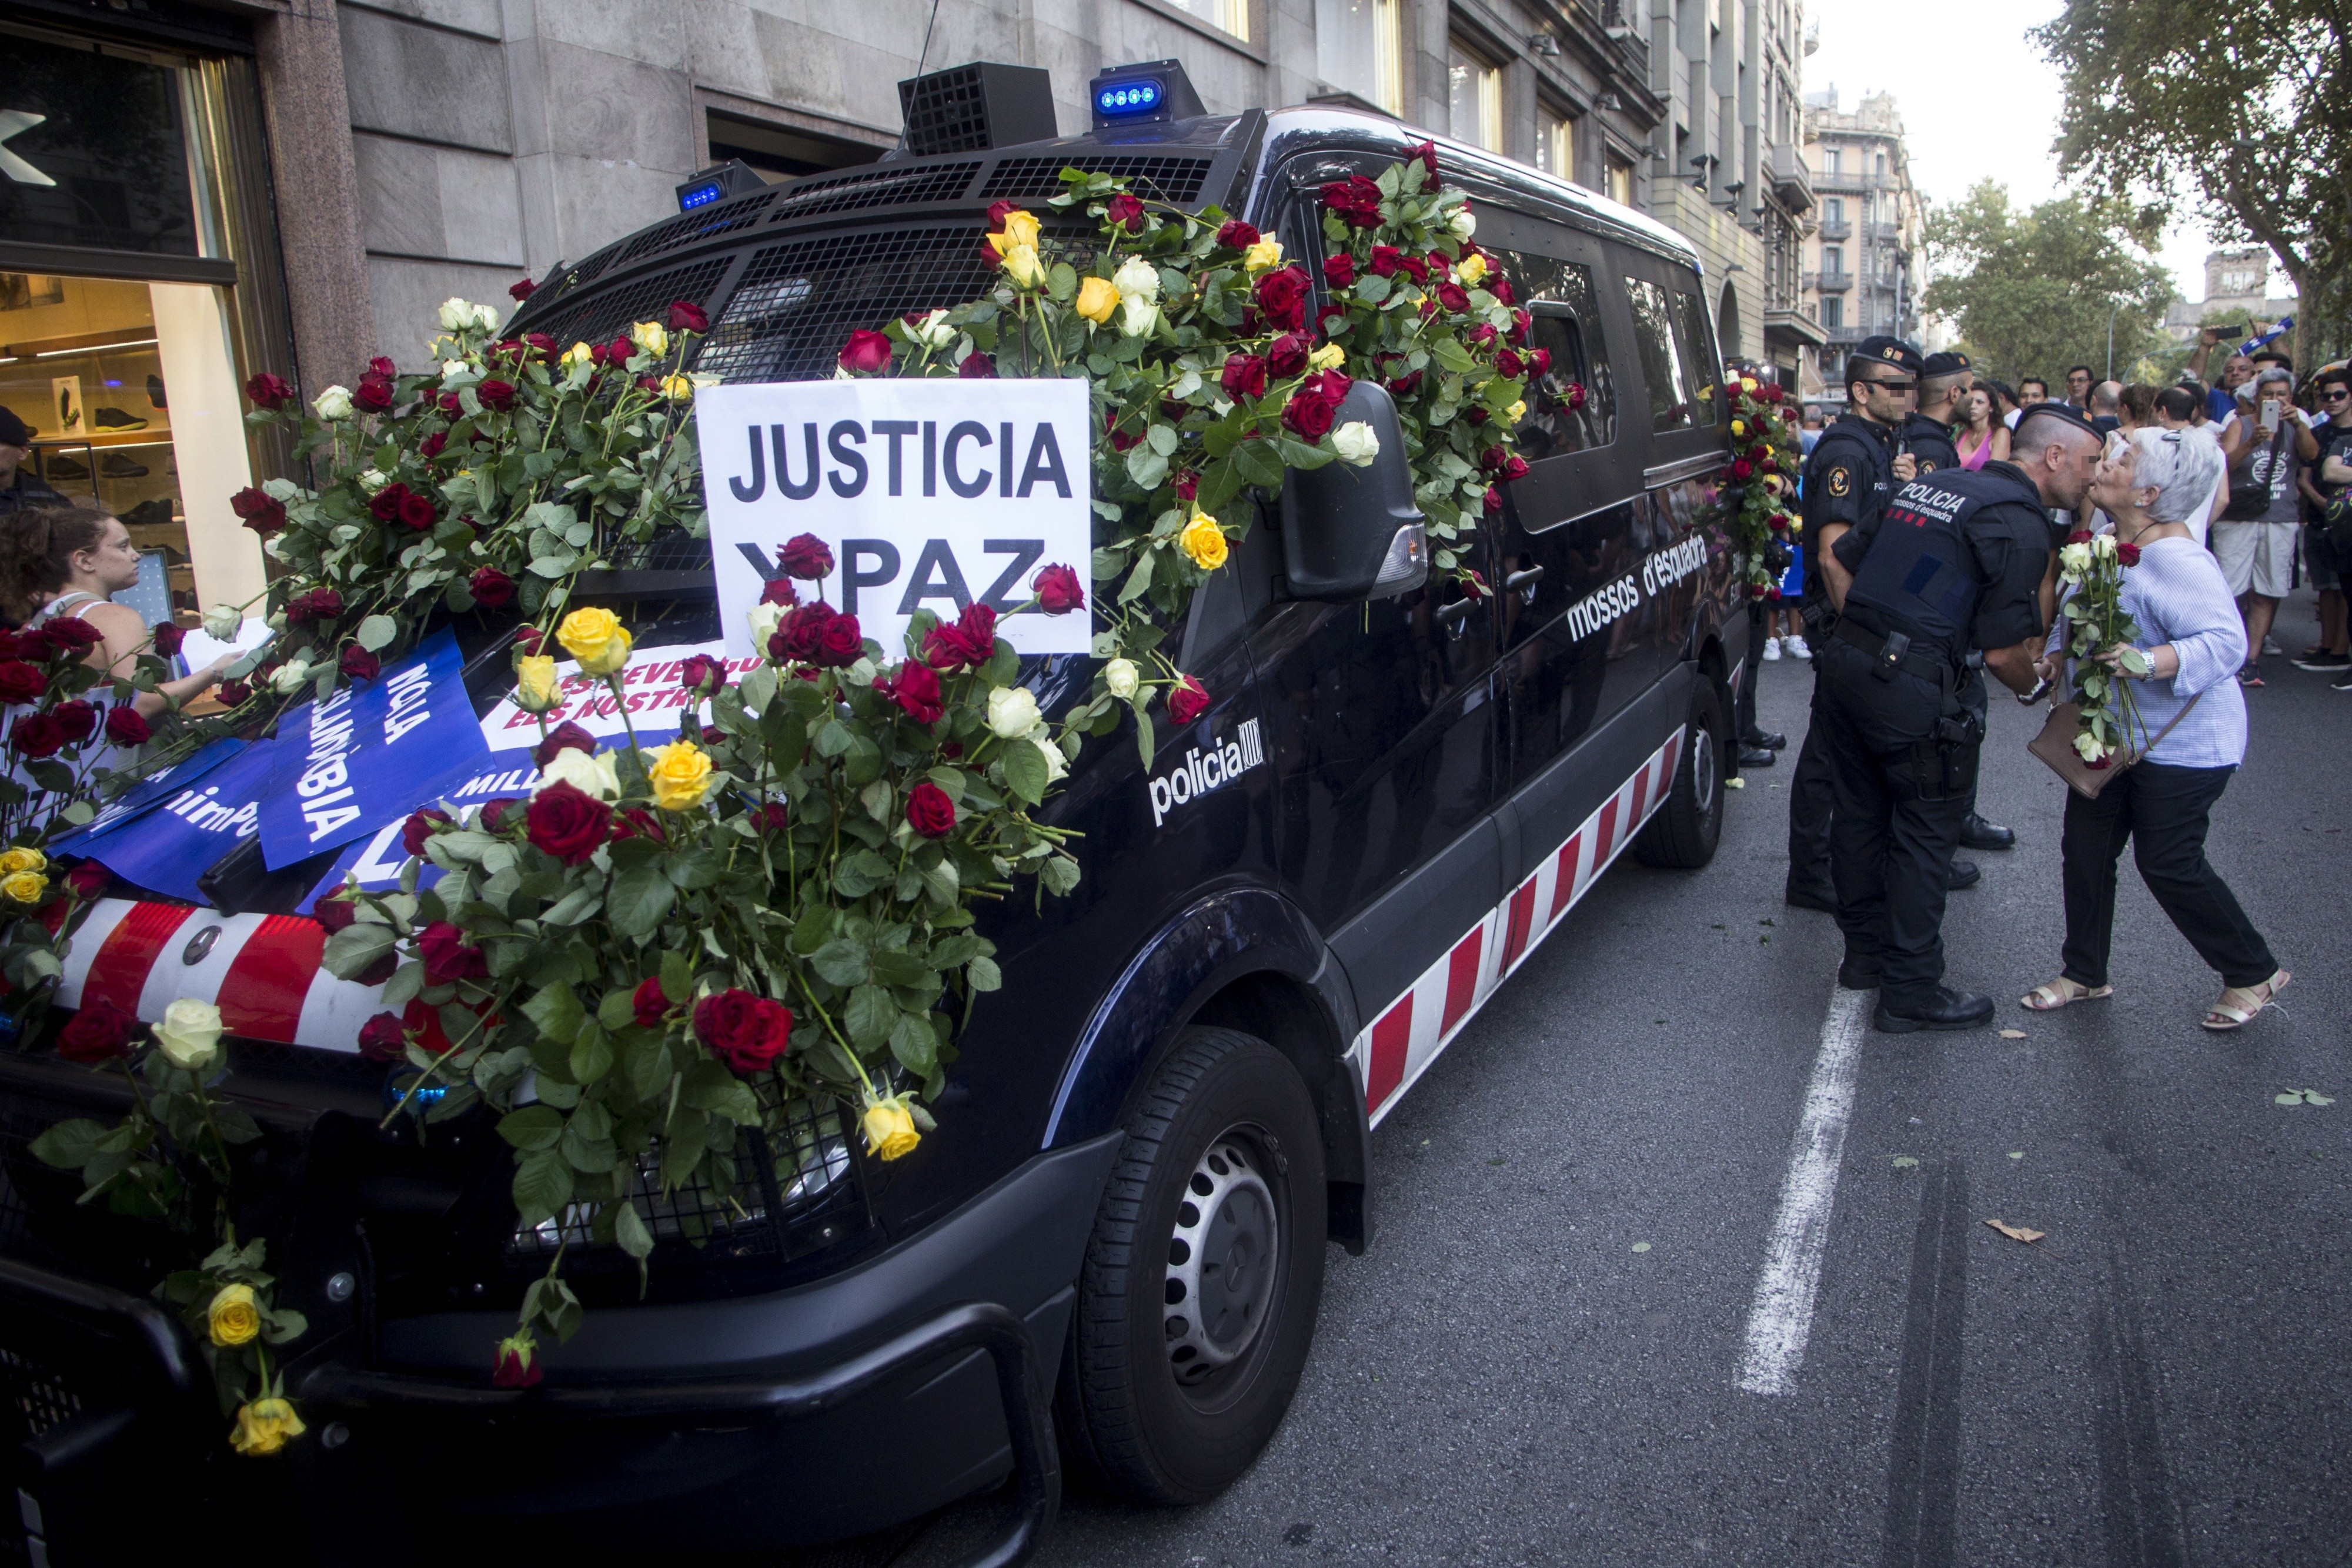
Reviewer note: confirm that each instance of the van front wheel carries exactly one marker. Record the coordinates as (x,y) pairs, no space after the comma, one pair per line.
(1198,1296)
(1682,834)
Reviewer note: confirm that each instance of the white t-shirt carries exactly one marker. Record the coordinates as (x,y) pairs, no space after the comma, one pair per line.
(2012,416)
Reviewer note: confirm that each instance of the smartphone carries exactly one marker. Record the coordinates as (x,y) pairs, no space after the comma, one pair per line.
(2269,420)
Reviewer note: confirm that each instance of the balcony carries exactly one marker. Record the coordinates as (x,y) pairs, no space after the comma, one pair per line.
(1842,229)
(1798,328)
(1792,181)
(1829,282)
(1853,183)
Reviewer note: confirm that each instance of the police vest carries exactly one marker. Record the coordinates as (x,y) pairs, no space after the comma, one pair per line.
(1871,468)
(1922,576)
(1930,442)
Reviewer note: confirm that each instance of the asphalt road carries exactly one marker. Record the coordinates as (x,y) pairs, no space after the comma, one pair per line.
(1537,1362)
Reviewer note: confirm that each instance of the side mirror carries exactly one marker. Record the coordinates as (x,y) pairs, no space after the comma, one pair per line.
(1351,533)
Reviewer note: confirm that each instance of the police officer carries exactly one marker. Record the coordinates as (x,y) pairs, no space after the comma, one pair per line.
(1955,571)
(1852,471)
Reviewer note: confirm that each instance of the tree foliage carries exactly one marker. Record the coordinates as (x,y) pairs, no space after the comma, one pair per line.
(2235,112)
(2035,292)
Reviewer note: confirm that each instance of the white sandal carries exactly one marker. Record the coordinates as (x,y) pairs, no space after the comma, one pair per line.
(2224,1015)
(2062,992)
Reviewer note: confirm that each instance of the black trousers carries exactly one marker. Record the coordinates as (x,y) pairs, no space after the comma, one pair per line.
(1810,798)
(1894,825)
(2163,811)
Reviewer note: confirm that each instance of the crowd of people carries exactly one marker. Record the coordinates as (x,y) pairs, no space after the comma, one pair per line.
(2221,498)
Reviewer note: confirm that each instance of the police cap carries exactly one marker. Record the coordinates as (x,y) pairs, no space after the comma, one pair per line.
(1886,351)
(1945,364)
(2063,412)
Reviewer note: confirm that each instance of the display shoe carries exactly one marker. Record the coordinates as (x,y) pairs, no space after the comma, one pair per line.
(156,392)
(1961,874)
(1978,835)
(150,514)
(60,467)
(1858,974)
(1946,1008)
(1771,650)
(115,419)
(118,466)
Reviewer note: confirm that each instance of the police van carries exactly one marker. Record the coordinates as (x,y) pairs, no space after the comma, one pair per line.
(1111,1255)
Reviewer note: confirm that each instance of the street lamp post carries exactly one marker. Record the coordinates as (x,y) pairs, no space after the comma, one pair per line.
(2111,341)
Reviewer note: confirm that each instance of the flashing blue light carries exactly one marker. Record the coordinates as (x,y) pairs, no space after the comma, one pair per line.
(1128,97)
(700,196)
(396,1084)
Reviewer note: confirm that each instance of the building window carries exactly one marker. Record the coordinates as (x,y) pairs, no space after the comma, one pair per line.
(1832,211)
(780,152)
(1473,98)
(1834,313)
(1555,144)
(1882,165)
(1833,261)
(1232,15)
(1834,161)
(1359,49)
(1621,181)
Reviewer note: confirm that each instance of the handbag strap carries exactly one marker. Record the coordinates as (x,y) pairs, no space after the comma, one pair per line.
(2175,719)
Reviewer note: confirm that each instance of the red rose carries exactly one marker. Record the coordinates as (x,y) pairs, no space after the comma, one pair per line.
(840,643)
(1188,701)
(779,590)
(334,914)
(971,640)
(2080,537)
(498,395)
(930,811)
(166,637)
(565,736)
(1286,356)
(1414,268)
(1501,290)
(649,1002)
(620,351)
(637,822)
(491,589)
(686,316)
(1514,467)
(2129,554)
(1386,259)
(417,832)
(702,675)
(518,292)
(266,391)
(374,394)
(87,880)
(100,1032)
(1188,484)
(234,693)
(976,367)
(1520,322)
(1356,199)
(124,726)
(1510,364)
(1331,320)
(1494,502)
(263,512)
(1538,361)
(997,212)
(430,447)
(1427,152)
(494,813)
(1245,376)
(865,353)
(807,557)
(1125,211)
(382,368)
(20,682)
(1741,468)
(1238,236)
(359,664)
(416,511)
(746,1033)
(1406,385)
(384,1037)
(566,821)
(384,505)
(1119,441)
(1058,592)
(76,720)
(915,689)
(1482,335)
(318,605)
(1451,296)
(1282,296)
(773,817)
(1339,271)
(71,634)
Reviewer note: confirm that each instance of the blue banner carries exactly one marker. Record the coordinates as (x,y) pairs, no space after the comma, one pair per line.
(149,793)
(197,820)
(369,754)
(377,860)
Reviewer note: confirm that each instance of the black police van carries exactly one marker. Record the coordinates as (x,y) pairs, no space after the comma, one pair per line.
(1111,1255)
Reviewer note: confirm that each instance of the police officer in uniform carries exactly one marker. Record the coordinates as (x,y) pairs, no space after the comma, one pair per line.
(1852,471)
(1955,573)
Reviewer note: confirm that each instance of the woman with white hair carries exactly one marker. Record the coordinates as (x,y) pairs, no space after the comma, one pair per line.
(2190,632)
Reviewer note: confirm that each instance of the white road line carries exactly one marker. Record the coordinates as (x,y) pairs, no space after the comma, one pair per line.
(1780,1318)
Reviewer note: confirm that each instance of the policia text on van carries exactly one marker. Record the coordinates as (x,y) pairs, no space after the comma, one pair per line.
(1399,790)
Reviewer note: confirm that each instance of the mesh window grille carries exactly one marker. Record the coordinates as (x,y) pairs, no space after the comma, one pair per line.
(1176,180)
(646,298)
(740,213)
(881,187)
(34,1396)
(798,302)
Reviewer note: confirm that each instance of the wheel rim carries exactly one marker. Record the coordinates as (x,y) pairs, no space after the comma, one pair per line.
(1223,1260)
(1703,767)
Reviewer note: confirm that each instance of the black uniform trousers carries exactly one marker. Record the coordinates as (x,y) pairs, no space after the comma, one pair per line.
(2163,811)
(1891,841)
(1810,799)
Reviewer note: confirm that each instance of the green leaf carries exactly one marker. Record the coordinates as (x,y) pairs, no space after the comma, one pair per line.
(896,967)
(1145,741)
(1026,773)
(542,1186)
(677,975)
(352,950)
(575,907)
(1059,874)
(556,1010)
(629,1232)
(617,1009)
(375,633)
(842,962)
(914,1045)
(591,1053)
(640,897)
(984,975)
(68,1146)
(1163,439)
(1256,463)
(870,1016)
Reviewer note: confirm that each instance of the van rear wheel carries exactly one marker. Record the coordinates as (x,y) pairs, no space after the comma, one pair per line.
(1683,832)
(1198,1296)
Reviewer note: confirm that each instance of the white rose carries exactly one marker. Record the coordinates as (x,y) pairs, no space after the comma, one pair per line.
(189,1035)
(1137,315)
(486,317)
(223,622)
(289,677)
(456,314)
(933,332)
(452,369)
(374,479)
(1057,765)
(1137,279)
(650,336)
(593,775)
(1012,712)
(1121,676)
(2104,544)
(763,619)
(2076,558)
(1461,224)
(1356,443)
(335,402)
(2088,745)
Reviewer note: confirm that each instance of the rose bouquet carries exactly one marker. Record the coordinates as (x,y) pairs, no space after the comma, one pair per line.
(1758,485)
(2099,643)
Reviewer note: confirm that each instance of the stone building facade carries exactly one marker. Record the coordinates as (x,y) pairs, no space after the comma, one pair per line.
(1863,261)
(2237,289)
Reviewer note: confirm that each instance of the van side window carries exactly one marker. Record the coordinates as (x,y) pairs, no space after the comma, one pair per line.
(1559,296)
(1699,370)
(1654,337)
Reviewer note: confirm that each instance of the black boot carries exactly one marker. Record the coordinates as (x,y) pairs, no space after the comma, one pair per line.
(1978,835)
(1756,756)
(1943,1009)
(1962,873)
(1770,740)
(1858,973)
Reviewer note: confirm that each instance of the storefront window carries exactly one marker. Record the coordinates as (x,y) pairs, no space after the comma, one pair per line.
(100,161)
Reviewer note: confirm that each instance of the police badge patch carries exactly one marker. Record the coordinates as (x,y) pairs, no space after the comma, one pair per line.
(1841,480)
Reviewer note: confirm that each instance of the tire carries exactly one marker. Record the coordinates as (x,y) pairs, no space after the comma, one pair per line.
(1157,1404)
(1681,835)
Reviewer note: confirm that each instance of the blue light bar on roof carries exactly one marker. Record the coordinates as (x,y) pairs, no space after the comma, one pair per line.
(1142,93)
(1121,99)
(700,195)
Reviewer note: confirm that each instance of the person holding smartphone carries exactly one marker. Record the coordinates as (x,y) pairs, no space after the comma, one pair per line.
(2267,446)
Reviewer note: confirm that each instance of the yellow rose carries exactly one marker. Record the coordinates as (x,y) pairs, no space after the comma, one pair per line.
(1022,266)
(1519,411)
(1020,228)
(597,639)
(1329,357)
(235,1316)
(535,683)
(650,336)
(1739,427)
(678,388)
(1263,257)
(579,354)
(890,1129)
(1097,297)
(679,774)
(24,887)
(1472,270)
(1748,383)
(19,860)
(1204,542)
(265,1426)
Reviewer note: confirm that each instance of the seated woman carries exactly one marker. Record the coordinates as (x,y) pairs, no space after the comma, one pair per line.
(2195,642)
(68,562)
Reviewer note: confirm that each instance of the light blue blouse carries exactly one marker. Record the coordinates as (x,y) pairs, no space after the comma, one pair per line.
(2177,594)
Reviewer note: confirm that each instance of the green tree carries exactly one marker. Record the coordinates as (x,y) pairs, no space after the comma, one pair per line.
(2236,111)
(2035,292)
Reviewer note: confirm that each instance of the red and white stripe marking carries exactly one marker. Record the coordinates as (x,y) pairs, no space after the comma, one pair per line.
(261,970)
(1411,1032)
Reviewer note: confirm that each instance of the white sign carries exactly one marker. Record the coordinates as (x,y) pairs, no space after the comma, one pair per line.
(933,494)
(649,691)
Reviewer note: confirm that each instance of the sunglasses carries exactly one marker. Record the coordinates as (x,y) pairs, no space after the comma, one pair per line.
(2334,396)
(1891,386)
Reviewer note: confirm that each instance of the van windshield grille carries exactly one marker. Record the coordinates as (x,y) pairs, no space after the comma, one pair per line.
(600,317)
(799,302)
(736,214)
(884,187)
(1177,180)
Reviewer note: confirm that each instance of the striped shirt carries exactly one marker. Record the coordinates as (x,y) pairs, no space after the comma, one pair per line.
(2177,594)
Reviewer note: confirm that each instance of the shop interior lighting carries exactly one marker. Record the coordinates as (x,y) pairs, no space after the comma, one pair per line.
(96,349)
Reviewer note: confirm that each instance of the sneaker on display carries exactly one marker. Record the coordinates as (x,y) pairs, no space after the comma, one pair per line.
(1771,650)
(115,419)
(156,392)
(60,467)
(118,466)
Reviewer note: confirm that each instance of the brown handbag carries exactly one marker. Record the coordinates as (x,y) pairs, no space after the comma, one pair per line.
(2056,745)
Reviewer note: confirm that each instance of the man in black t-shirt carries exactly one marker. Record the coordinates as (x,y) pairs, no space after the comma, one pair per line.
(2322,482)
(20,489)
